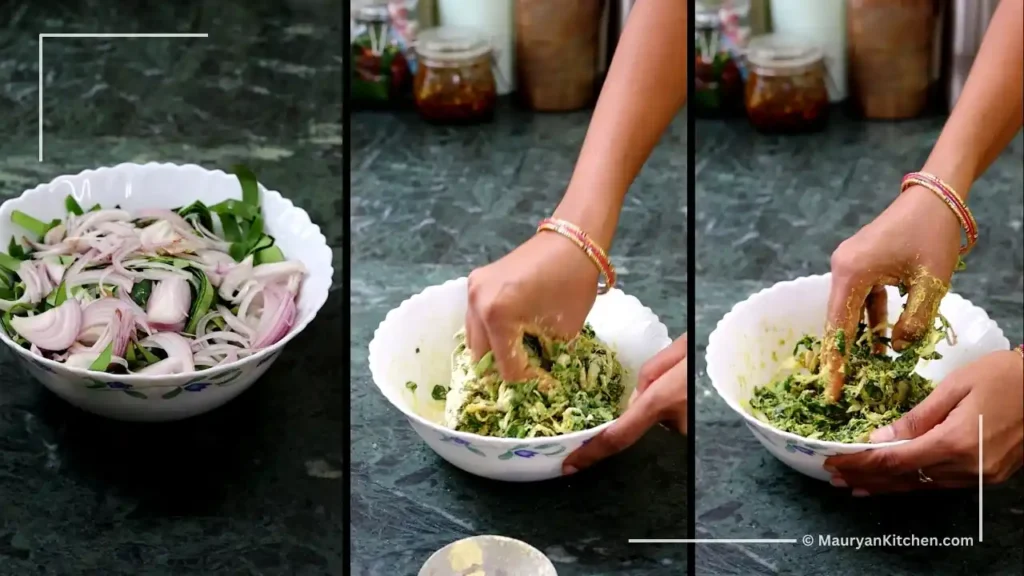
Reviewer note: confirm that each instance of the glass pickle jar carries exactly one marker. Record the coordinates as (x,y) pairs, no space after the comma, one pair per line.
(455,78)
(380,72)
(786,89)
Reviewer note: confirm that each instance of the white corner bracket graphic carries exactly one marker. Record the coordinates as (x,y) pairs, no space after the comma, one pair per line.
(90,35)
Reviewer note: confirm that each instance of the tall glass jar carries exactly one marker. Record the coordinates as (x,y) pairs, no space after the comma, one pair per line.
(455,77)
(380,72)
(786,88)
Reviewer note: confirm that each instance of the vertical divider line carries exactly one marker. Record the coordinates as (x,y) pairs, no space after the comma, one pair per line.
(346,265)
(981,461)
(691,299)
(40,97)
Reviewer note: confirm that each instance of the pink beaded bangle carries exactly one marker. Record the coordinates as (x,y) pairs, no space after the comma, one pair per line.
(951,198)
(580,238)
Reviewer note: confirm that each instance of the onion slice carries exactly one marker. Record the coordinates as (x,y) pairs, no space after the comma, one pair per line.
(53,330)
(174,345)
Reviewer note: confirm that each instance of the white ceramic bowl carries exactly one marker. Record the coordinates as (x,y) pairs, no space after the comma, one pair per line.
(415,342)
(747,347)
(137,186)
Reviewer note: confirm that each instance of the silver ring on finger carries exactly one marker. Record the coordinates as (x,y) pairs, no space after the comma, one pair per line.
(924,478)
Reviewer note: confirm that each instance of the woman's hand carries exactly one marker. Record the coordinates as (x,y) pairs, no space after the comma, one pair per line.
(660,396)
(943,434)
(545,287)
(914,242)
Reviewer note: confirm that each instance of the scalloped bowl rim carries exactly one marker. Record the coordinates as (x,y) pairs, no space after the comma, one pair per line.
(158,380)
(737,310)
(470,436)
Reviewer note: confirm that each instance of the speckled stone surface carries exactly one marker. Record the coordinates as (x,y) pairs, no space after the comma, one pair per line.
(773,209)
(254,487)
(429,204)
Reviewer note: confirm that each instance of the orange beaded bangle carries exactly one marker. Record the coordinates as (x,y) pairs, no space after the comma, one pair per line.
(580,238)
(1020,350)
(951,198)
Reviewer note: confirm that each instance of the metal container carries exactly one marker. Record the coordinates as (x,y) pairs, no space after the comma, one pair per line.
(968,20)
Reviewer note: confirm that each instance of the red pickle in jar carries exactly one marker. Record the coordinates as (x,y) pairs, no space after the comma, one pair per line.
(786,89)
(455,77)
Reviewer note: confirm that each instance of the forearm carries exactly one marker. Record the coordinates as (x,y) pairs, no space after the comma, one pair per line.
(990,110)
(644,90)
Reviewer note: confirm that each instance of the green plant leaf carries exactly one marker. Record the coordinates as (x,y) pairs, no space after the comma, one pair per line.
(72,205)
(103,361)
(250,186)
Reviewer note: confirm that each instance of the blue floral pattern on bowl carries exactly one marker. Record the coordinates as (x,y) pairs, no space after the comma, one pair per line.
(464,443)
(524,451)
(200,384)
(127,389)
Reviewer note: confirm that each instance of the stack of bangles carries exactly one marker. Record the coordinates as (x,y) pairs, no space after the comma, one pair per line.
(951,198)
(1020,350)
(580,238)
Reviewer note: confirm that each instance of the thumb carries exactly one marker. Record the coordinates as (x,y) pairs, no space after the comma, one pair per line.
(923,298)
(640,417)
(926,415)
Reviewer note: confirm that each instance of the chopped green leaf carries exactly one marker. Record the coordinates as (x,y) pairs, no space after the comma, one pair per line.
(11,263)
(269,255)
(231,230)
(95,208)
(72,205)
(29,223)
(200,210)
(237,209)
(103,361)
(439,392)
(411,385)
(141,291)
(250,186)
(202,301)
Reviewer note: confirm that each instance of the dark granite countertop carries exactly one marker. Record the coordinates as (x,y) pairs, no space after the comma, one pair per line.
(429,204)
(772,209)
(254,487)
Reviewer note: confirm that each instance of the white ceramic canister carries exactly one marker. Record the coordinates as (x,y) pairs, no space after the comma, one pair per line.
(822,22)
(490,17)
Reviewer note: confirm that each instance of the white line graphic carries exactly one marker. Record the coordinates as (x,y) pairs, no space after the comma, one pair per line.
(90,35)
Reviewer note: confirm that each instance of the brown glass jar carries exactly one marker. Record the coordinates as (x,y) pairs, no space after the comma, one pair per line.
(786,90)
(455,77)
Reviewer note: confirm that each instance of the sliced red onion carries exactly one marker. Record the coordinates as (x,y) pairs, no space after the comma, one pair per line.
(97,316)
(100,277)
(54,330)
(235,278)
(55,235)
(82,360)
(277,318)
(278,271)
(174,345)
(161,214)
(200,343)
(54,269)
(234,323)
(170,302)
(137,312)
(80,225)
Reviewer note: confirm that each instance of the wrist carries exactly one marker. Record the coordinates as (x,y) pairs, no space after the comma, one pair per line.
(959,174)
(594,209)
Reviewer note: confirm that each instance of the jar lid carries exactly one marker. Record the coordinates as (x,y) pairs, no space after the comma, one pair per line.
(451,44)
(372,13)
(776,52)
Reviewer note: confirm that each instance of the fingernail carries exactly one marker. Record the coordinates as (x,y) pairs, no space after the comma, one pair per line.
(830,469)
(838,482)
(860,492)
(884,434)
(569,470)
(899,344)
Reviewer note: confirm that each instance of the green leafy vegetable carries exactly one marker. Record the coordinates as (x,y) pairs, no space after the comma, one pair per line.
(199,210)
(439,392)
(250,186)
(72,205)
(411,385)
(103,361)
(879,388)
(141,292)
(202,301)
(583,390)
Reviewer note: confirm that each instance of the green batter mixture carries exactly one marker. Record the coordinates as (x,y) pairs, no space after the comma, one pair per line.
(584,390)
(879,388)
